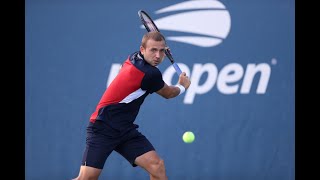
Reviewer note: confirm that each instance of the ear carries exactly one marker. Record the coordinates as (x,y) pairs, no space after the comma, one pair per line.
(142,50)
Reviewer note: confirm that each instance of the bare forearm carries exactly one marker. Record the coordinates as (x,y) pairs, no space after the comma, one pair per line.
(169,91)
(175,90)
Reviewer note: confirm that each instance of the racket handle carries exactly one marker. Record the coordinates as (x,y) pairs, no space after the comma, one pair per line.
(177,68)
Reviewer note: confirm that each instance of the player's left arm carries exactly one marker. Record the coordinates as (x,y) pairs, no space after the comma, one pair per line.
(173,91)
(168,91)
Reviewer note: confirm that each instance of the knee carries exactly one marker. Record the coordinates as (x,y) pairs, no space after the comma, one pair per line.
(158,168)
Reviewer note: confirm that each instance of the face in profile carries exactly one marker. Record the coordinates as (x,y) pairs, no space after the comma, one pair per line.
(153,52)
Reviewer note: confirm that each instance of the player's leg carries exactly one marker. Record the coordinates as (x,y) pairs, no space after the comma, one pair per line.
(100,142)
(152,163)
(88,173)
(92,163)
(137,149)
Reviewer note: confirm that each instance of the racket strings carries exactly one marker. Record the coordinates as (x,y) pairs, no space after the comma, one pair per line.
(149,23)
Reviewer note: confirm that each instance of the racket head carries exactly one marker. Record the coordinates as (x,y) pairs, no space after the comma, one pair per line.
(147,21)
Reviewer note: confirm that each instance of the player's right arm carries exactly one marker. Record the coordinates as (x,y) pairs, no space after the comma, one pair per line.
(173,91)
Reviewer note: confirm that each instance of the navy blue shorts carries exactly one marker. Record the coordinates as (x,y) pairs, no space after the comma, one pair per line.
(102,139)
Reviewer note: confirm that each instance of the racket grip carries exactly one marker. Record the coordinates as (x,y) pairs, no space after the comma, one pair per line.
(177,68)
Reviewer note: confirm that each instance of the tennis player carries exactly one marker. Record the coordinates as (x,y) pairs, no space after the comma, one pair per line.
(111,126)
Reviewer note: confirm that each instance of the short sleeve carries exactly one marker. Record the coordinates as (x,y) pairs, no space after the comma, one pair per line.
(152,81)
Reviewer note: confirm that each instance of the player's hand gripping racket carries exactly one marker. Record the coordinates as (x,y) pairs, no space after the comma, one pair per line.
(151,26)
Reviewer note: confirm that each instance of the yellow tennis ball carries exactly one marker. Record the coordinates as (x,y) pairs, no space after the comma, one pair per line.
(188,137)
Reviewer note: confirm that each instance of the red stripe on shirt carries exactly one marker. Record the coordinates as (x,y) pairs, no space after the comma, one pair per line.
(127,81)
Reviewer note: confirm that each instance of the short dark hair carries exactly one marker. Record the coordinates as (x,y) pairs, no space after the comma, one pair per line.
(154,35)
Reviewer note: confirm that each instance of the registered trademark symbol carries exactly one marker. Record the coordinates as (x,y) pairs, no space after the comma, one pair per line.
(273,61)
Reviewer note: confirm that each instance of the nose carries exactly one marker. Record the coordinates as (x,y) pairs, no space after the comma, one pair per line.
(158,54)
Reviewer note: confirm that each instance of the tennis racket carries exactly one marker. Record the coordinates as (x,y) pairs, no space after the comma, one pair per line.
(151,26)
